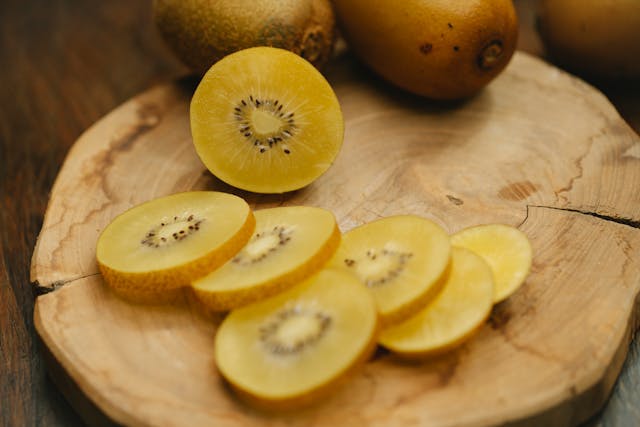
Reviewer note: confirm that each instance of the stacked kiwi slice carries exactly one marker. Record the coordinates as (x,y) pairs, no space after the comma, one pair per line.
(291,349)
(306,304)
(288,244)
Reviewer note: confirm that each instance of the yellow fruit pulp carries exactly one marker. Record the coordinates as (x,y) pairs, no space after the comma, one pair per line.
(289,244)
(401,259)
(507,251)
(265,120)
(167,242)
(459,309)
(290,348)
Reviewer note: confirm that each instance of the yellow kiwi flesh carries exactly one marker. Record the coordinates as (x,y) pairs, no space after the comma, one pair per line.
(402,260)
(288,245)
(291,349)
(453,316)
(265,120)
(164,244)
(507,251)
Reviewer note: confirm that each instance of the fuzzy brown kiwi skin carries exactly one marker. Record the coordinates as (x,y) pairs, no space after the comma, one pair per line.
(440,49)
(241,297)
(200,33)
(161,287)
(303,401)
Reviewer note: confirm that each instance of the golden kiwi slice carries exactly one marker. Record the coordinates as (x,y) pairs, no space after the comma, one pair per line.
(453,316)
(401,259)
(507,251)
(162,245)
(289,244)
(265,120)
(291,349)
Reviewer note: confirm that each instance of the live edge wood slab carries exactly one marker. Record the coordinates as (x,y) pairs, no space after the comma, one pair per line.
(538,149)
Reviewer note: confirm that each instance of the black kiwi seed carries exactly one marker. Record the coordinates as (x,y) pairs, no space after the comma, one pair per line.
(283,234)
(157,236)
(401,259)
(242,114)
(268,332)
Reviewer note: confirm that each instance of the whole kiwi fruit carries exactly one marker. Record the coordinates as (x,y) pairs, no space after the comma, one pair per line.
(595,38)
(443,49)
(200,32)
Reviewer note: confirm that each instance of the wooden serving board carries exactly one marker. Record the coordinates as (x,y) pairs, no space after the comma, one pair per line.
(538,149)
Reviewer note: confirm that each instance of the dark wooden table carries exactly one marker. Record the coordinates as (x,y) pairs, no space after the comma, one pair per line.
(63,65)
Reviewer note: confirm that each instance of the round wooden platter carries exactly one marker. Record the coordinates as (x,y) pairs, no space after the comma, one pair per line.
(537,149)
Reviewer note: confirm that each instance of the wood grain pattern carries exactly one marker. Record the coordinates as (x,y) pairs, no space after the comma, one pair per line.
(538,149)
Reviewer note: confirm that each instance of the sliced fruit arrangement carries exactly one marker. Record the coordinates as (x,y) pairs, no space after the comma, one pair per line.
(401,259)
(162,245)
(265,120)
(507,251)
(461,308)
(288,245)
(307,304)
(290,349)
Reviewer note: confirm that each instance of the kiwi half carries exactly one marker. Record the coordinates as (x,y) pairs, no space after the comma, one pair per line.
(288,350)
(157,247)
(265,120)
(401,259)
(507,251)
(459,310)
(288,245)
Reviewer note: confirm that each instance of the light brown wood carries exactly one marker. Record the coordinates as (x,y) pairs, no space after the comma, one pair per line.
(537,149)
